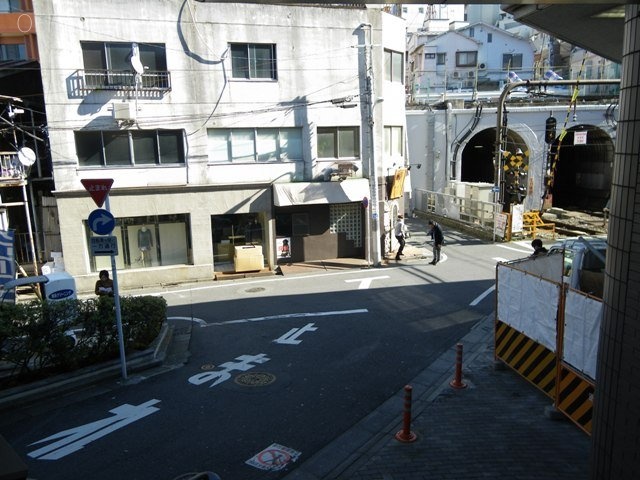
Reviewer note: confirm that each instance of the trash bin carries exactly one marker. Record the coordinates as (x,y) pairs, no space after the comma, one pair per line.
(59,286)
(248,258)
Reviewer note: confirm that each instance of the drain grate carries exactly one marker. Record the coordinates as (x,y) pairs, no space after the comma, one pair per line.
(255,379)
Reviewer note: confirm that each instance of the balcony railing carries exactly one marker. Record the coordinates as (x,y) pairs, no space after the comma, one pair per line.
(150,81)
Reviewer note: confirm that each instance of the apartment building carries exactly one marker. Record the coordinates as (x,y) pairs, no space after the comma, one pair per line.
(222,125)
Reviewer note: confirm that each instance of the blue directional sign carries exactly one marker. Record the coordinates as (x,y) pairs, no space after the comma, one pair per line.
(101,222)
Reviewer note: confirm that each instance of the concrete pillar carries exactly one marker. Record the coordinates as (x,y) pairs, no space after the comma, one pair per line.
(616,439)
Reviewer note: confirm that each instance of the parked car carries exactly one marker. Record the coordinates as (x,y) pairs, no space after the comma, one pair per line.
(584,262)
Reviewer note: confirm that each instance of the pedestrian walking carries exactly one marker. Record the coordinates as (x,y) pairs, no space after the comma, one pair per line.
(438,239)
(400,231)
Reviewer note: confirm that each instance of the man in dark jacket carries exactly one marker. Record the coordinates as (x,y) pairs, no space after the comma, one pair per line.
(438,239)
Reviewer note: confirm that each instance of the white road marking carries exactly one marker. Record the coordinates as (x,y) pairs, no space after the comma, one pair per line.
(189,319)
(291,337)
(365,282)
(515,249)
(482,296)
(289,315)
(74,439)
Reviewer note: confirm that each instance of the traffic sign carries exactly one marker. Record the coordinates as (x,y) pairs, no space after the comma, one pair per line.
(101,221)
(104,246)
(98,188)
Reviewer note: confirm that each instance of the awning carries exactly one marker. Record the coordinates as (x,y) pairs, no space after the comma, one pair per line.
(309,193)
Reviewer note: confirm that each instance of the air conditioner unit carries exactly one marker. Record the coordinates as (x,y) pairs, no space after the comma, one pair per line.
(456,74)
(471,74)
(124,112)
(482,66)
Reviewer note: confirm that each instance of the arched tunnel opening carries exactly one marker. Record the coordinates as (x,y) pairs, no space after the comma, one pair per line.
(583,172)
(581,177)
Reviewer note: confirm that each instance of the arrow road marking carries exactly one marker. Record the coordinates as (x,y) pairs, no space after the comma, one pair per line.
(74,439)
(291,337)
(365,282)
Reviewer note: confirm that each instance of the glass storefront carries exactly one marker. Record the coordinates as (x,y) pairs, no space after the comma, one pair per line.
(150,241)
(230,231)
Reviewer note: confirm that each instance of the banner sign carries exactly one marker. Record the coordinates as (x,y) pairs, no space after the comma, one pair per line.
(7,262)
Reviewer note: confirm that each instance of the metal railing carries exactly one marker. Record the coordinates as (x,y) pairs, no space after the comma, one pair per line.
(466,210)
(122,80)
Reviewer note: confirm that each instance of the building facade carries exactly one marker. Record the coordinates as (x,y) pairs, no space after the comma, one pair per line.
(222,125)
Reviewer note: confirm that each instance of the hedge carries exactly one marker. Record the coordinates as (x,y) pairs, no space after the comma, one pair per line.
(44,338)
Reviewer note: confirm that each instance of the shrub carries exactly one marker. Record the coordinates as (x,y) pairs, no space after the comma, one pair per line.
(41,338)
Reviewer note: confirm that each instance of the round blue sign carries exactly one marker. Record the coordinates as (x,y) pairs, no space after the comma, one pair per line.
(101,221)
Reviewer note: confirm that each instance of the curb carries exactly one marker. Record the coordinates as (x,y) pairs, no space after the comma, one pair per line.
(60,384)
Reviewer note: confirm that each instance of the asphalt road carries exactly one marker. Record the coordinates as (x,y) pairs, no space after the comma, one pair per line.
(279,367)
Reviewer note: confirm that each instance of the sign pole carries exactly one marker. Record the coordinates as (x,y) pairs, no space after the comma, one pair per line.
(116,299)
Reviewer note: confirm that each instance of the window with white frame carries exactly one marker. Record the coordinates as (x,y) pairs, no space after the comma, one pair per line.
(441,59)
(393,141)
(117,148)
(247,145)
(511,61)
(338,142)
(393,66)
(253,61)
(466,59)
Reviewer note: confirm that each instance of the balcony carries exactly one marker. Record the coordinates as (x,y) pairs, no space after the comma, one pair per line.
(152,84)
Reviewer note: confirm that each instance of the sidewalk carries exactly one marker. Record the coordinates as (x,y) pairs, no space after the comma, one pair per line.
(494,428)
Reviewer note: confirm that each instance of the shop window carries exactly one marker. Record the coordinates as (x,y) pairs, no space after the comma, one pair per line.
(230,231)
(261,145)
(108,148)
(149,241)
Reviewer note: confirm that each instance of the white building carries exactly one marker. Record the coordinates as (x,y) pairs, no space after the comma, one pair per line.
(474,57)
(222,125)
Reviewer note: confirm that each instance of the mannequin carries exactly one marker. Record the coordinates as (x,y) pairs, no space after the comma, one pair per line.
(145,242)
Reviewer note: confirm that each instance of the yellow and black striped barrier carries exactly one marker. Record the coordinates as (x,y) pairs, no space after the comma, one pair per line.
(533,361)
(575,397)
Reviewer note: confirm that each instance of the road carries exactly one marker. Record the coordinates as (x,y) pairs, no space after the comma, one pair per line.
(279,367)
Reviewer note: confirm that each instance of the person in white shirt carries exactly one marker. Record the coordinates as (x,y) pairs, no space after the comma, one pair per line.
(399,232)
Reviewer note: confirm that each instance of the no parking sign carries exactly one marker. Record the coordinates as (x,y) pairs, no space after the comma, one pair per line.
(275,457)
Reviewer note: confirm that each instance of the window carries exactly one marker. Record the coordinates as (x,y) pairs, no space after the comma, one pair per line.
(241,145)
(441,59)
(129,148)
(393,66)
(149,241)
(393,141)
(511,61)
(489,37)
(472,32)
(13,52)
(109,64)
(429,56)
(338,142)
(466,59)
(253,61)
(9,6)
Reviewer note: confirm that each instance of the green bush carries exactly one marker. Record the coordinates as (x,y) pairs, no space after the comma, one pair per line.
(43,338)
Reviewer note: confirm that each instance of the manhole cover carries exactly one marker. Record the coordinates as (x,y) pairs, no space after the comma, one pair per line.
(207,366)
(255,379)
(255,290)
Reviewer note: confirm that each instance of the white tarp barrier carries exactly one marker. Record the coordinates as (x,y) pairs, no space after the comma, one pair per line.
(529,304)
(582,318)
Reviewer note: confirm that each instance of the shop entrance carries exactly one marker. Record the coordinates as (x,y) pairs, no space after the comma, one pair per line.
(230,231)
